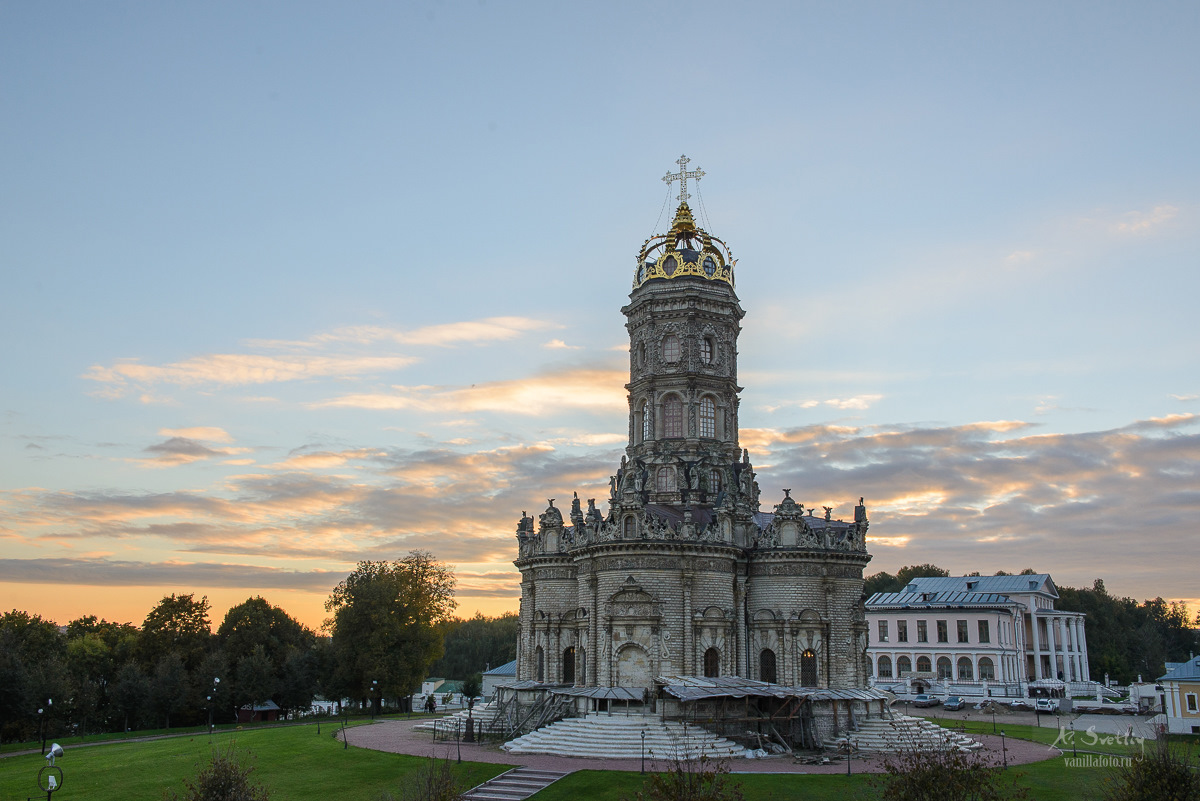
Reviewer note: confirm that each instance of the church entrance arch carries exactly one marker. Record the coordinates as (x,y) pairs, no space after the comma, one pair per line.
(568,666)
(633,667)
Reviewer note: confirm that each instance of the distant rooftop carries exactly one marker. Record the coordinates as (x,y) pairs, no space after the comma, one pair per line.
(1184,671)
(982,599)
(507,669)
(1005,585)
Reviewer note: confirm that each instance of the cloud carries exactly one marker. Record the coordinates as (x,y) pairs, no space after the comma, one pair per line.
(105,572)
(586,389)
(558,344)
(857,403)
(1143,222)
(490,329)
(181,450)
(1185,397)
(207,433)
(232,369)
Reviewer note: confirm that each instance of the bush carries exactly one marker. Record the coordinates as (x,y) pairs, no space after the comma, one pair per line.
(433,781)
(691,780)
(225,778)
(1157,775)
(945,775)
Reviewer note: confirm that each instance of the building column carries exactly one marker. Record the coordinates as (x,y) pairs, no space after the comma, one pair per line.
(686,647)
(1087,672)
(1037,646)
(1078,649)
(1050,646)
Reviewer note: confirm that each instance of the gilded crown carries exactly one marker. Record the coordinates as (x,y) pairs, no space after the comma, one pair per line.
(685,251)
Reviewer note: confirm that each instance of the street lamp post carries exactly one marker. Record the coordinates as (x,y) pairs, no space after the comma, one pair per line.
(1004,750)
(643,750)
(1074,753)
(849,753)
(211,697)
(41,728)
(374,692)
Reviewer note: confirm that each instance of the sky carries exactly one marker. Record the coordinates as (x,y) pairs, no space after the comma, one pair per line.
(286,286)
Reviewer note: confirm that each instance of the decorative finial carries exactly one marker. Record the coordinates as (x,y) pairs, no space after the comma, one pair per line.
(682,176)
(550,502)
(787,493)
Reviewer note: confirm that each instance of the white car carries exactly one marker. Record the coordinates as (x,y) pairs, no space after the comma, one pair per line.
(1046,705)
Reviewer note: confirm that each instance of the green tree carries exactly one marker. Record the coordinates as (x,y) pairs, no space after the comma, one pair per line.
(130,693)
(256,680)
(297,681)
(177,624)
(255,622)
(474,644)
(168,688)
(386,624)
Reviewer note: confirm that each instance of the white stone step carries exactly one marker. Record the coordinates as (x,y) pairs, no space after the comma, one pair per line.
(516,785)
(620,737)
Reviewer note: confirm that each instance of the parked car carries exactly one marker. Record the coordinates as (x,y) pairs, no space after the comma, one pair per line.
(925,700)
(1046,705)
(953,703)
(1021,703)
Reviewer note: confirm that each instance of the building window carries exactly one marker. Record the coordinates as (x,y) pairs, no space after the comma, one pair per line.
(962,630)
(766,666)
(922,631)
(1191,702)
(985,635)
(665,479)
(568,666)
(630,527)
(673,417)
(883,631)
(902,630)
(706,350)
(903,666)
(964,669)
(987,670)
(670,349)
(943,636)
(923,664)
(647,429)
(945,669)
(714,481)
(712,663)
(885,667)
(808,669)
(708,417)
(540,658)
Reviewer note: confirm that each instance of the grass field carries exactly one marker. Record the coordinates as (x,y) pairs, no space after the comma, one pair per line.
(293,762)
(1051,780)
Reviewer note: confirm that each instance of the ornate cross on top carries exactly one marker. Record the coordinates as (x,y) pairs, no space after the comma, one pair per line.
(682,176)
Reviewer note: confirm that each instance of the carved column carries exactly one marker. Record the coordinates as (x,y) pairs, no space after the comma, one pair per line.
(687,646)
(1037,645)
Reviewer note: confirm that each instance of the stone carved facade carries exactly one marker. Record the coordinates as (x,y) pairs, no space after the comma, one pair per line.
(685,575)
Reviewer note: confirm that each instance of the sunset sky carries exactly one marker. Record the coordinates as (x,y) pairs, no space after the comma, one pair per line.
(287,286)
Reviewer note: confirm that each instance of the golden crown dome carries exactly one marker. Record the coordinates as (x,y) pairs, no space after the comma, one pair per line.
(685,251)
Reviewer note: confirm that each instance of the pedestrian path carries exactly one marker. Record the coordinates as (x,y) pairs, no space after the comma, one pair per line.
(516,785)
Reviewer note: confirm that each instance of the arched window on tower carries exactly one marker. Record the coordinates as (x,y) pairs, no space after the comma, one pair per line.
(647,430)
(568,666)
(665,479)
(630,527)
(766,666)
(714,481)
(706,350)
(708,417)
(670,349)
(540,657)
(673,417)
(808,669)
(712,663)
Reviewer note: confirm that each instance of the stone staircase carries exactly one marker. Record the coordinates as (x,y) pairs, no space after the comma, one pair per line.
(483,714)
(603,736)
(904,733)
(516,785)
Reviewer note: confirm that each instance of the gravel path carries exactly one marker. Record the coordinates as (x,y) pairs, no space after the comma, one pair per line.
(397,737)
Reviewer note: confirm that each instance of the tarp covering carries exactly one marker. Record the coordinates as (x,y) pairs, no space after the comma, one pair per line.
(696,688)
(610,693)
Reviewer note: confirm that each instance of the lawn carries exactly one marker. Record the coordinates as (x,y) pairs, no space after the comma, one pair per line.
(293,762)
(1051,780)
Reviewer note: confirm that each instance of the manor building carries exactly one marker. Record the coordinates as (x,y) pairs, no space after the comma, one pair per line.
(683,574)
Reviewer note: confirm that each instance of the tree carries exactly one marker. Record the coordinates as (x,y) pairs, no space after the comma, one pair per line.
(130,693)
(386,624)
(256,679)
(474,644)
(168,688)
(179,624)
(1160,773)
(298,681)
(255,622)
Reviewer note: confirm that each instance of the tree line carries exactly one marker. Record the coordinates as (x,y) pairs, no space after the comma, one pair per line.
(390,622)
(1125,638)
